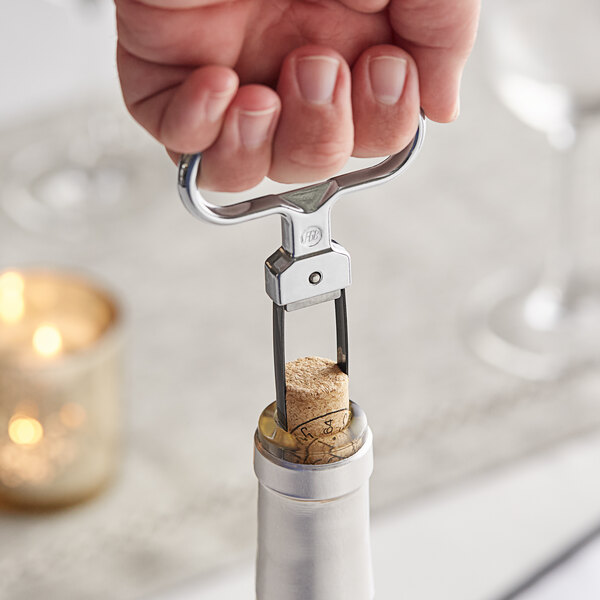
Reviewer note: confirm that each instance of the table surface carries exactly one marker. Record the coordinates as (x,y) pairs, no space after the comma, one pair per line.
(478,540)
(199,357)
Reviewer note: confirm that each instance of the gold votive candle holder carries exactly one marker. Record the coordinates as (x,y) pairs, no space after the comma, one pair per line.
(60,388)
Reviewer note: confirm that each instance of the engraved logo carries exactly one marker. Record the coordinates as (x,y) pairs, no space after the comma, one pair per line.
(311,236)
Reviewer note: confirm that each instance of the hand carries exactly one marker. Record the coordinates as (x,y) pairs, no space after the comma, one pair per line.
(289,88)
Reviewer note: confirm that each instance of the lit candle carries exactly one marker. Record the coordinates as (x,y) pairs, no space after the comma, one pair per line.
(47,340)
(60,370)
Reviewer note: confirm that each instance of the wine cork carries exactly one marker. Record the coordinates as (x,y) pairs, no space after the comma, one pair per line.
(317,400)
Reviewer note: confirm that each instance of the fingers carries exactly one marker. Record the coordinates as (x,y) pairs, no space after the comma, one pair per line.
(245,134)
(308,130)
(305,132)
(385,99)
(203,110)
(315,135)
(241,156)
(439,35)
(182,108)
(193,117)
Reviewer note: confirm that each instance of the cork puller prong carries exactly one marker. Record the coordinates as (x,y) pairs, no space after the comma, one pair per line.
(309,267)
(341,327)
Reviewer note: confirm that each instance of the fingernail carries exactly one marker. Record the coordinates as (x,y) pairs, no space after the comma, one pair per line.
(217,103)
(457,109)
(254,126)
(387,74)
(317,76)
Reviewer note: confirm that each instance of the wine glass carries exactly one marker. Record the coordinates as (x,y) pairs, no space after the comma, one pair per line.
(78,172)
(542,56)
(85,164)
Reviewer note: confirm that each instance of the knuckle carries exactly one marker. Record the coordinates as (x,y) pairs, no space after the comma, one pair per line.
(324,155)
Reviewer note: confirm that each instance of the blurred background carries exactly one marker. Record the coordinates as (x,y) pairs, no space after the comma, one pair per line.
(473,326)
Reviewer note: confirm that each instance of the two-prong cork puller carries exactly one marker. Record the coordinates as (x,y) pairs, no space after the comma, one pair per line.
(313,448)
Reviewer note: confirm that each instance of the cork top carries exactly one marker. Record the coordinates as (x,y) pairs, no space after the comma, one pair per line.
(317,398)
(313,377)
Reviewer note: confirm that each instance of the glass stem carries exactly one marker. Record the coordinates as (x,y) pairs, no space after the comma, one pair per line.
(560,263)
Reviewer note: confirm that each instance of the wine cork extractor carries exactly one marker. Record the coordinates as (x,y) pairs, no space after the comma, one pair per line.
(313,516)
(318,410)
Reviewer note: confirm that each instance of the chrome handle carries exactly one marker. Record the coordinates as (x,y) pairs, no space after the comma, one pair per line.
(303,201)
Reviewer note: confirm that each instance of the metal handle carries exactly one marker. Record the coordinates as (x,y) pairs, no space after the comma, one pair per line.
(305,200)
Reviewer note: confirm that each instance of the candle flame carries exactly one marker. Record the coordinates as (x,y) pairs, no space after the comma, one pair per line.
(12,304)
(12,280)
(25,431)
(47,340)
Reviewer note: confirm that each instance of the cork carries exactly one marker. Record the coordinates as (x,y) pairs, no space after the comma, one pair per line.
(317,400)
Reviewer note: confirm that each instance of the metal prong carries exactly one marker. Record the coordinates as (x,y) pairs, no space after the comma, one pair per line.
(341,329)
(279,361)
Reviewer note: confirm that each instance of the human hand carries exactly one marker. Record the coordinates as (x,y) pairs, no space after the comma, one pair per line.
(289,88)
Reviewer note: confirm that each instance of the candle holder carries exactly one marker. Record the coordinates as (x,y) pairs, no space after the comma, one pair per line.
(60,388)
